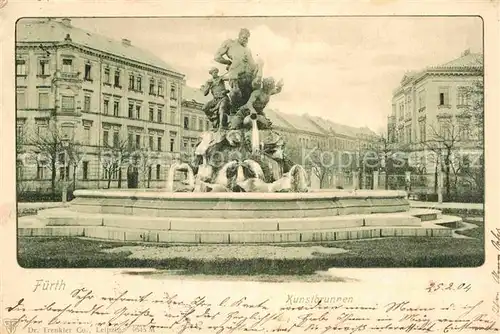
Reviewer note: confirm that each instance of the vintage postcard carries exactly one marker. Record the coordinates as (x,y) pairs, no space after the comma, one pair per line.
(230,168)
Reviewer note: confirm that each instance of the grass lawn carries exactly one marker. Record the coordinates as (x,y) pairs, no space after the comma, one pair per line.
(385,252)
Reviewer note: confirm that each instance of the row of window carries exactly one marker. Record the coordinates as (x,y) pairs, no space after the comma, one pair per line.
(196,123)
(404,107)
(156,86)
(112,172)
(446,131)
(134,141)
(336,143)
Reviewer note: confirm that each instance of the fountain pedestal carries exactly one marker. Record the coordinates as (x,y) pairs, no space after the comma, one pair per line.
(238,217)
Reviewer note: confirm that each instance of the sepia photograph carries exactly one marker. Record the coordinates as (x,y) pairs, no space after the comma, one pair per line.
(260,148)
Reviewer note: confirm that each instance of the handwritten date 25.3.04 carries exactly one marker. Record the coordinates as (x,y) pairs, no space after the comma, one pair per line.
(449,286)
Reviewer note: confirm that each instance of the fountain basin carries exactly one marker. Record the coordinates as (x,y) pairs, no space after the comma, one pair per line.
(229,218)
(238,205)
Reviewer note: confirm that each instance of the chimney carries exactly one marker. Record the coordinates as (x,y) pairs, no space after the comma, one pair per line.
(66,21)
(466,52)
(126,42)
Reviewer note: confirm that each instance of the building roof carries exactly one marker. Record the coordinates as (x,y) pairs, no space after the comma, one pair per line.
(51,30)
(277,120)
(465,61)
(301,123)
(341,129)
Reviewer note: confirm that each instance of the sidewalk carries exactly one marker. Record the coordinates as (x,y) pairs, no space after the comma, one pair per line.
(435,205)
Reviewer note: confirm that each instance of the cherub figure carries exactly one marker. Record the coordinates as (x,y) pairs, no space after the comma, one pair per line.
(218,108)
(254,108)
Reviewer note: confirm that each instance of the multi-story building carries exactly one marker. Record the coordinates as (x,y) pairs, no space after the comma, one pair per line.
(433,105)
(193,121)
(97,92)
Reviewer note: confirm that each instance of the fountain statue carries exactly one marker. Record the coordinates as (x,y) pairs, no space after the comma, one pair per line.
(242,153)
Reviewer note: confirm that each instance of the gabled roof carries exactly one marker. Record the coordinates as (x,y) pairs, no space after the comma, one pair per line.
(52,30)
(465,61)
(301,123)
(341,129)
(277,120)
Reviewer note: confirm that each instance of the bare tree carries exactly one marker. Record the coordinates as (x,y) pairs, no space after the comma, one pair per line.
(54,147)
(112,159)
(444,142)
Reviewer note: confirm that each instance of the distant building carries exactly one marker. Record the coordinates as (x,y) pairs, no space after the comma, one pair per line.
(193,120)
(434,103)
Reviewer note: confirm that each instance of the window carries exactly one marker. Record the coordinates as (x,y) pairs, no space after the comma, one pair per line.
(19,132)
(421,100)
(401,110)
(151,86)
(21,99)
(130,141)
(107,77)
(160,113)
(43,100)
(88,68)
(173,92)
(85,170)
(200,124)
(138,112)
(106,107)
(464,131)
(160,88)
(116,108)
(67,65)
(87,135)
(117,78)
(40,169)
(151,143)
(444,96)
(20,67)
(158,170)
(131,82)
(43,67)
(444,130)
(173,116)
(186,122)
(68,103)
(462,97)
(116,139)
(105,138)
(422,131)
(207,125)
(64,173)
(86,103)
(159,143)
(172,144)
(151,113)
(130,111)
(139,84)
(137,141)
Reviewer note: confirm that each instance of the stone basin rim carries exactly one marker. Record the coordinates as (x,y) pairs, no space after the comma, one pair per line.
(252,196)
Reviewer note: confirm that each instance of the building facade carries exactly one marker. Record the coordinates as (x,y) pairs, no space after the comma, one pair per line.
(432,109)
(102,94)
(124,113)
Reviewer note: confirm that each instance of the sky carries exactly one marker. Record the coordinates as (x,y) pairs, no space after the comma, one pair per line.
(340,68)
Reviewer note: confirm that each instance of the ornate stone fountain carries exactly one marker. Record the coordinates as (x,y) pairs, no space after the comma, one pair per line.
(240,188)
